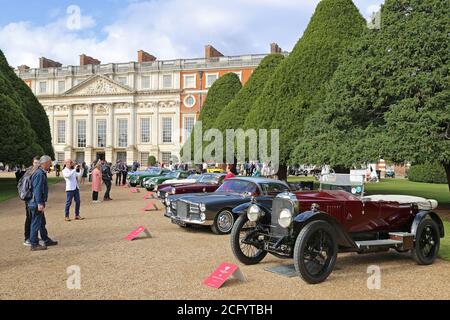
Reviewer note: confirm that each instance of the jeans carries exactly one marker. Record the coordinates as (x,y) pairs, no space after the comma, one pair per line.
(74,194)
(27,222)
(108,189)
(38,223)
(94,195)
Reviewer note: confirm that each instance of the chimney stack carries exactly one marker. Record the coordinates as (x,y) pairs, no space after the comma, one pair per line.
(275,48)
(86,60)
(145,57)
(23,68)
(211,52)
(47,63)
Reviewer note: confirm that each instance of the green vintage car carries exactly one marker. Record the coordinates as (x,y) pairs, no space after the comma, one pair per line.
(136,178)
(151,182)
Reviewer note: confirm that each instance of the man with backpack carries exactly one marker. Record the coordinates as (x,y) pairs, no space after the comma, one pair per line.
(36,204)
(24,188)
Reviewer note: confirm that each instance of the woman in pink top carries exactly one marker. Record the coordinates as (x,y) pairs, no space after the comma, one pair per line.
(96,181)
(230,174)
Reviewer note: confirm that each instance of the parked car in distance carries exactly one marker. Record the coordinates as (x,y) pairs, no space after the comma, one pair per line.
(150,183)
(313,226)
(207,182)
(192,178)
(214,169)
(390,173)
(215,209)
(135,179)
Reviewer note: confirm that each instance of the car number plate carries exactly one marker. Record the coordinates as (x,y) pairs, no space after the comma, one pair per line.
(179,222)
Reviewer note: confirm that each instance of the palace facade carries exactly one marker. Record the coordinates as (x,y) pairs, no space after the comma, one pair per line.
(128,111)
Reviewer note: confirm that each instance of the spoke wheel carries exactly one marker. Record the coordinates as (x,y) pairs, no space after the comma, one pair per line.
(426,246)
(245,252)
(315,251)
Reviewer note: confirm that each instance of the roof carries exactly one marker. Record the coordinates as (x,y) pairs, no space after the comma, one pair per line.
(258,179)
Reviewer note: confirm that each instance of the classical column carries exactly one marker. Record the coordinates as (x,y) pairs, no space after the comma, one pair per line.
(51,121)
(110,134)
(90,127)
(131,150)
(132,131)
(69,134)
(69,141)
(88,158)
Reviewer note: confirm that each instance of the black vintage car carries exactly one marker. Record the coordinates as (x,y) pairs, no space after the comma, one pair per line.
(215,209)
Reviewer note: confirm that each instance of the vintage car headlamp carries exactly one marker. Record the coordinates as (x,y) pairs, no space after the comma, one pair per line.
(254,213)
(173,190)
(202,216)
(167,202)
(202,207)
(285,218)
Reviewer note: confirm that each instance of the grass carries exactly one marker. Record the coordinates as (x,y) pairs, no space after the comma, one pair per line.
(438,192)
(444,251)
(8,187)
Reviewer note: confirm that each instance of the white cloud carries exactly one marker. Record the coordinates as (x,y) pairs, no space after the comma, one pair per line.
(168,29)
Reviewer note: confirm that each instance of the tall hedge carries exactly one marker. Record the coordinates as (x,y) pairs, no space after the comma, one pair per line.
(431,172)
(234,114)
(29,106)
(390,95)
(296,86)
(17,139)
(220,94)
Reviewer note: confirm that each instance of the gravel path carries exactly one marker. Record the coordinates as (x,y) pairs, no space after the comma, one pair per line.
(173,264)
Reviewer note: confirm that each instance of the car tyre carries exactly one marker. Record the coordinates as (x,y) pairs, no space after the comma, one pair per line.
(315,235)
(235,240)
(223,223)
(427,242)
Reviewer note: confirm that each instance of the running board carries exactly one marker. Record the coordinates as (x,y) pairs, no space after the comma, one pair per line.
(398,240)
(371,244)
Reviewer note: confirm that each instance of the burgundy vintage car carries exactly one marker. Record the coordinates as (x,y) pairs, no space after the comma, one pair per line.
(313,226)
(208,182)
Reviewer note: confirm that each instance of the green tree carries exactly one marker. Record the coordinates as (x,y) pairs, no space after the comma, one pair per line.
(389,96)
(29,105)
(17,139)
(220,94)
(291,93)
(234,114)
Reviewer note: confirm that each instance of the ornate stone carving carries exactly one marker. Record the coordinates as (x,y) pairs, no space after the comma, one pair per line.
(81,107)
(61,108)
(99,108)
(98,86)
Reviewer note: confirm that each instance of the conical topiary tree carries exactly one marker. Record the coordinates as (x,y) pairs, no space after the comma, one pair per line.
(17,139)
(234,114)
(389,96)
(220,94)
(294,88)
(29,105)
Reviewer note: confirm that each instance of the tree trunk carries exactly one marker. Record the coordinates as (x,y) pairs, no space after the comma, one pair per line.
(447,171)
(282,172)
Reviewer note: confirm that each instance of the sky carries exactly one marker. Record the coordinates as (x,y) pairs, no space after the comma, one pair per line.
(114,30)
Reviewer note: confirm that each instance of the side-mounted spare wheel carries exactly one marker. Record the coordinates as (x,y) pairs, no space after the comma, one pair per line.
(427,242)
(244,252)
(315,251)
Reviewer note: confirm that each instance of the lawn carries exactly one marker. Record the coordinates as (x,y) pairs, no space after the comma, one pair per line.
(439,192)
(8,187)
(444,252)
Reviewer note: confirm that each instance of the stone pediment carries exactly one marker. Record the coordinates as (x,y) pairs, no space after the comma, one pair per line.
(98,85)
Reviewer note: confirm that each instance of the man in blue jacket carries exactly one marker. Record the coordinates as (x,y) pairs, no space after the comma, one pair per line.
(36,204)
